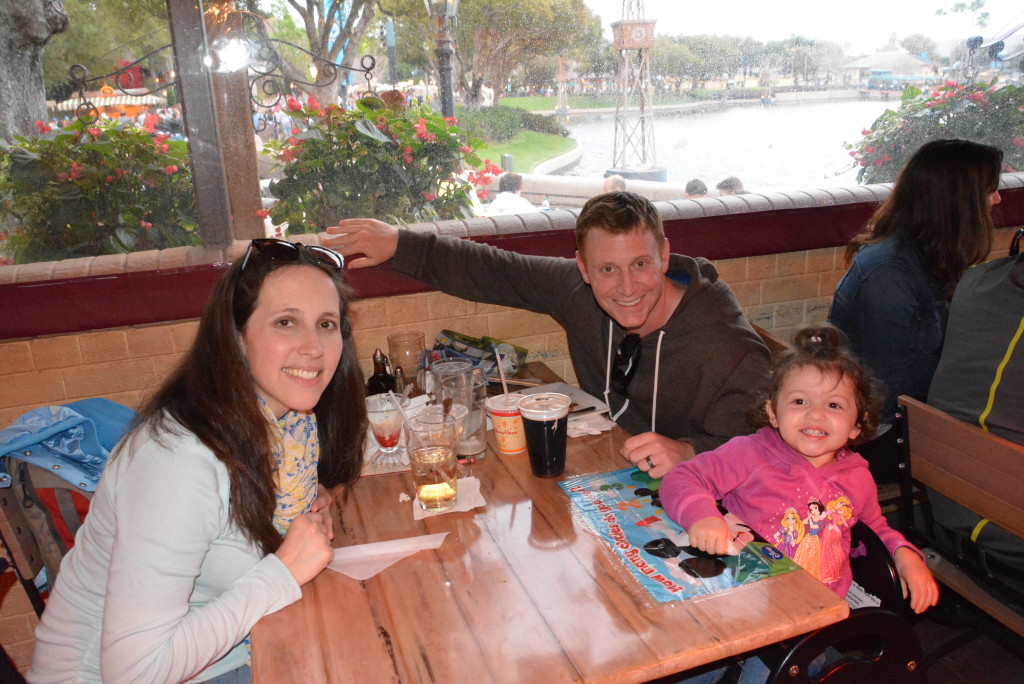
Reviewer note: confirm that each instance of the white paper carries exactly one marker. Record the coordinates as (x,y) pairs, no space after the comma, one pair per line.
(363,561)
(468,498)
(591,425)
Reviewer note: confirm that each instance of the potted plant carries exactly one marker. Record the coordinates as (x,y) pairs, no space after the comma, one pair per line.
(385,158)
(93,188)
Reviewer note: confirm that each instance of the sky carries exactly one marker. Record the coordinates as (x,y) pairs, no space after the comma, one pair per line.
(860,25)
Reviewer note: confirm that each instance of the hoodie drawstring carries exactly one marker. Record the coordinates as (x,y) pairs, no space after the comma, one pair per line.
(608,378)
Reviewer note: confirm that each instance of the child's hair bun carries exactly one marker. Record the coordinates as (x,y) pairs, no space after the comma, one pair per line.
(819,340)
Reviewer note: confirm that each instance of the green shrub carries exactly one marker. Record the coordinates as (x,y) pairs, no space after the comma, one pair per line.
(92,189)
(501,124)
(396,162)
(981,113)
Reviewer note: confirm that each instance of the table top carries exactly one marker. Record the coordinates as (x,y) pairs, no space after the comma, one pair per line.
(519,592)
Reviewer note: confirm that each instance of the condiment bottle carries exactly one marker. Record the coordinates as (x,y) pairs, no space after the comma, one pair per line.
(381,381)
(399,380)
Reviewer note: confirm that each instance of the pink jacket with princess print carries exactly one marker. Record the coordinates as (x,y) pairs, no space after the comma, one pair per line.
(806,512)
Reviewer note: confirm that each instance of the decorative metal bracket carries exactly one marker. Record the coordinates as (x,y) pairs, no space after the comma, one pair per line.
(268,82)
(78,75)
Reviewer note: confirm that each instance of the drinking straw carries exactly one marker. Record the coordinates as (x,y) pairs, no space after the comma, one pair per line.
(501,369)
(405,417)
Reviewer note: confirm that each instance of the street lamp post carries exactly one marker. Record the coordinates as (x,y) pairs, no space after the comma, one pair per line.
(442,12)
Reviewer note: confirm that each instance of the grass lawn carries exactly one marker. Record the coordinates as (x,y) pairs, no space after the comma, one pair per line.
(528,149)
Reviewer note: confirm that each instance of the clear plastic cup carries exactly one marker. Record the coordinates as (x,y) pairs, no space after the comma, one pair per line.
(545,422)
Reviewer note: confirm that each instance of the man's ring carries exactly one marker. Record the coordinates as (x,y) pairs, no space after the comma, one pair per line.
(650,463)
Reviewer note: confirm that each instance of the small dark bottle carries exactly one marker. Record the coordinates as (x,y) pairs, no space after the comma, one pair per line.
(381,381)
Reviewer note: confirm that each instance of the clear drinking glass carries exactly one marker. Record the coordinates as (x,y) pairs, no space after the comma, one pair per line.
(439,370)
(385,418)
(405,349)
(432,445)
(470,392)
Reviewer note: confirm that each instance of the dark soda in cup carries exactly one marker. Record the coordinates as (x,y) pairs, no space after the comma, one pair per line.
(546,421)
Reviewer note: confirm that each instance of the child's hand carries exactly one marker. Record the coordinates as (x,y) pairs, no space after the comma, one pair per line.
(712,535)
(916,578)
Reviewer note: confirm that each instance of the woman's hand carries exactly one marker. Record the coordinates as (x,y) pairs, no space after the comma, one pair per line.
(916,579)
(322,505)
(306,549)
(712,535)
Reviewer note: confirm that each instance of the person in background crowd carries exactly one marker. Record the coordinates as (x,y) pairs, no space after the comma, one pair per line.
(614,183)
(658,335)
(696,189)
(817,399)
(730,186)
(508,200)
(893,302)
(212,512)
(980,380)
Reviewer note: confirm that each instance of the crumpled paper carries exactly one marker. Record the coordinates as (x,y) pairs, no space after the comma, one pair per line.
(469,497)
(363,561)
(590,425)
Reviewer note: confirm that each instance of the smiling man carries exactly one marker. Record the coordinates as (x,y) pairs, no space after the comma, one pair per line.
(656,334)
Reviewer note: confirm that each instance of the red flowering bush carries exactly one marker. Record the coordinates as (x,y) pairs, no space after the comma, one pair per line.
(92,189)
(982,113)
(384,159)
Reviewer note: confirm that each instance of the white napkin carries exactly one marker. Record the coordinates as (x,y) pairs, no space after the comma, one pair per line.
(363,561)
(469,497)
(590,425)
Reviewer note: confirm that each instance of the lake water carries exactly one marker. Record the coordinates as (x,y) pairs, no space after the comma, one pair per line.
(783,147)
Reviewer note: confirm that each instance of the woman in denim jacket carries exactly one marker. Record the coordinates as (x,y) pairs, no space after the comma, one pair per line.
(892,304)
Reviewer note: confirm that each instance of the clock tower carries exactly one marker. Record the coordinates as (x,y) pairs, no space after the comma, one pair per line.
(634,118)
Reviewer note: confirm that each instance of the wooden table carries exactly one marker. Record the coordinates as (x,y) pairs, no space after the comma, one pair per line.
(518,592)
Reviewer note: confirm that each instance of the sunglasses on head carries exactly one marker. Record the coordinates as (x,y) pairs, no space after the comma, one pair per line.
(283,250)
(627,359)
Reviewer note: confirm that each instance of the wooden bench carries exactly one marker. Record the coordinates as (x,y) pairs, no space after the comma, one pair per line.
(980,471)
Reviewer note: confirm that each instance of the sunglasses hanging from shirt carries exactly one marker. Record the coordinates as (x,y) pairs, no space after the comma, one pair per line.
(627,359)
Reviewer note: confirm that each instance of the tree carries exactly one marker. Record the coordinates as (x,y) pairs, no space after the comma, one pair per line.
(333,30)
(669,60)
(494,37)
(714,57)
(100,33)
(28,26)
(918,44)
(974,7)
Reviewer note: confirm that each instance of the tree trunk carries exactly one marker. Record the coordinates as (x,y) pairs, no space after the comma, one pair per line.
(27,26)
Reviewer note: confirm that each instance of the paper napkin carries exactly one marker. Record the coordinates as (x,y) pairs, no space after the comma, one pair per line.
(591,425)
(469,498)
(363,561)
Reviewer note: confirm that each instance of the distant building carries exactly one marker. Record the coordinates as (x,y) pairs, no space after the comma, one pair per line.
(891,67)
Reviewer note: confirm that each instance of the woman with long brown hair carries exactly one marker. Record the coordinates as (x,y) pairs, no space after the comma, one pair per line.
(213,510)
(893,302)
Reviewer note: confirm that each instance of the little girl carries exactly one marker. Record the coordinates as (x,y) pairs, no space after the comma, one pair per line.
(817,399)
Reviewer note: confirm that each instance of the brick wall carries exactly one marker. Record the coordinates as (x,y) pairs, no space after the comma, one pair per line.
(779,292)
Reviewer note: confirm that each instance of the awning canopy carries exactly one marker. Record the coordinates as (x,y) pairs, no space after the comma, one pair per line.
(102,101)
